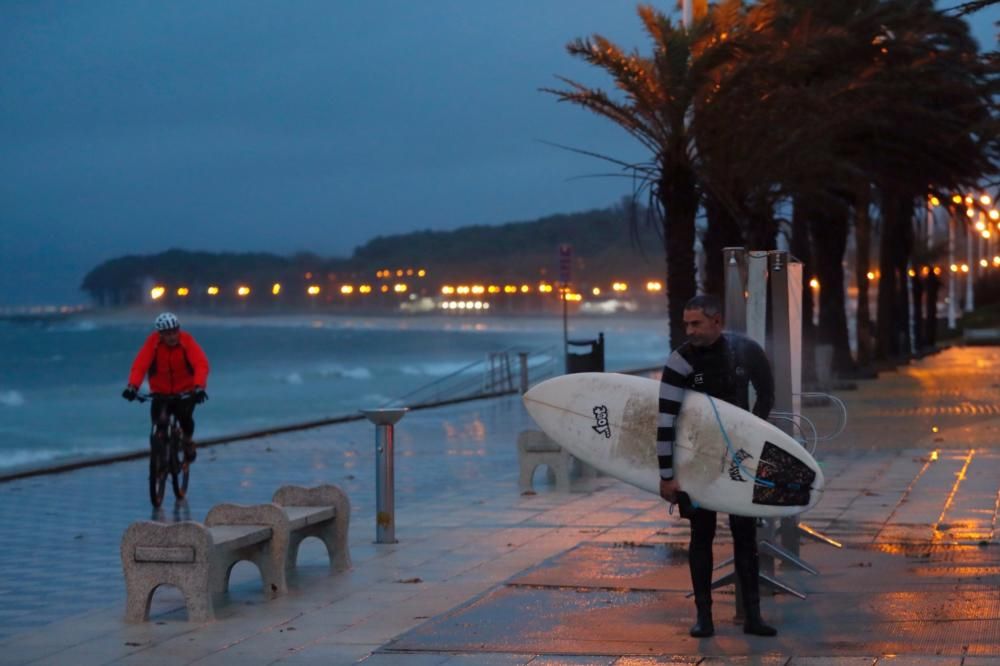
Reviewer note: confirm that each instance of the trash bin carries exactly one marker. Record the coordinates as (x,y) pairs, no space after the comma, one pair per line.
(589,361)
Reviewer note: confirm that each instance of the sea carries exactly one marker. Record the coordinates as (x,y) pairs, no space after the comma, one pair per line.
(61,381)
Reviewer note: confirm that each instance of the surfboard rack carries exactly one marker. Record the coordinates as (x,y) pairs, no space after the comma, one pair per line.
(819,536)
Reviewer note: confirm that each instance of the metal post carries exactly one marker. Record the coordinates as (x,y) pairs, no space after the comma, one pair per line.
(523,358)
(385,486)
(952,295)
(970,247)
(735,276)
(781,360)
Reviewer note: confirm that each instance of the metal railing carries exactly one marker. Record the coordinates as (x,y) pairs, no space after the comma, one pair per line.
(486,378)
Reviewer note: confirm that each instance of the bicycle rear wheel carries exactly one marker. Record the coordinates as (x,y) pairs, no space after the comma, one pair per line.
(158,470)
(179,472)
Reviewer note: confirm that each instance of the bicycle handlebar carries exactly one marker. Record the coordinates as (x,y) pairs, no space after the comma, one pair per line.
(143,397)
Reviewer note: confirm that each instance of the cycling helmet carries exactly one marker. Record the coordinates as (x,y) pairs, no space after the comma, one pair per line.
(167,322)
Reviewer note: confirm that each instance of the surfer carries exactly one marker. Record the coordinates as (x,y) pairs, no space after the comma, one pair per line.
(722,365)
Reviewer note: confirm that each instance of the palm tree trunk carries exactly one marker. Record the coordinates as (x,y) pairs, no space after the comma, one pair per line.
(828,228)
(800,247)
(894,250)
(917,285)
(862,266)
(722,231)
(904,249)
(679,198)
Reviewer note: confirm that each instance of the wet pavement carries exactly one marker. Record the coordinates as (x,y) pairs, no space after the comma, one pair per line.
(482,574)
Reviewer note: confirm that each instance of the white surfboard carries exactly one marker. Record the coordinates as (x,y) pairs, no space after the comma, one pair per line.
(608,420)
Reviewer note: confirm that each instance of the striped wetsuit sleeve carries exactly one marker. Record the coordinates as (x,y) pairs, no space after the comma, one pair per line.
(675,374)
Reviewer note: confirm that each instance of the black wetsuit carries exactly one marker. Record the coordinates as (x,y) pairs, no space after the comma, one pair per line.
(725,369)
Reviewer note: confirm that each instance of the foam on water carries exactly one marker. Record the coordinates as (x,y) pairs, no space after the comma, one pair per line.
(62,390)
(11,398)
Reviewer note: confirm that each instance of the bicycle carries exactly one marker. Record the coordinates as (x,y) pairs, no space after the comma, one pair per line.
(166,451)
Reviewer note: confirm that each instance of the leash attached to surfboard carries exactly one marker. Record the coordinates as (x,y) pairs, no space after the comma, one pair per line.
(787,486)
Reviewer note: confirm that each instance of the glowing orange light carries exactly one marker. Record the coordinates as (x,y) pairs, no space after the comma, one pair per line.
(157,292)
(347,289)
(182,291)
(313,290)
(276,288)
(212,291)
(243,290)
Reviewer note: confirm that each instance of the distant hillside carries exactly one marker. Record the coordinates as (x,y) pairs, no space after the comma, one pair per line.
(601,242)
(603,247)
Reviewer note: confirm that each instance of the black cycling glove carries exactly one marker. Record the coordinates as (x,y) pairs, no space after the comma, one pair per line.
(200,396)
(130,393)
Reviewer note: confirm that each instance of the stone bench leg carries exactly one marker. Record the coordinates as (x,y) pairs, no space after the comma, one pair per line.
(269,556)
(155,554)
(534,448)
(333,533)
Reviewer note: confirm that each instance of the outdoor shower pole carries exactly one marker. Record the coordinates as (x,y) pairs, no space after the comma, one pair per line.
(385,510)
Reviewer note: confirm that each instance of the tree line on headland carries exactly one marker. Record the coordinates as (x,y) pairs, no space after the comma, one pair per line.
(810,120)
(603,248)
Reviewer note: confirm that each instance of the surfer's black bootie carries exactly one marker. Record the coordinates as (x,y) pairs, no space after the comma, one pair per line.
(704,627)
(753,624)
(746,563)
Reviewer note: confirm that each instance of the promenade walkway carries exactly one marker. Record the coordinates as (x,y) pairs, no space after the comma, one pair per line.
(483,575)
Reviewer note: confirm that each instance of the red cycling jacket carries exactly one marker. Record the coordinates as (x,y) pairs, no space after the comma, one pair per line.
(171,369)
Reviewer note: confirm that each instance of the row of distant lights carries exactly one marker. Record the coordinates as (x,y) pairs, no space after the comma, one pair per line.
(925,271)
(400,272)
(401,288)
(544,288)
(276,289)
(970,212)
(465,305)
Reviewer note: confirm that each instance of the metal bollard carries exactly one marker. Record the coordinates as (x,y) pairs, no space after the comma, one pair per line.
(385,490)
(523,358)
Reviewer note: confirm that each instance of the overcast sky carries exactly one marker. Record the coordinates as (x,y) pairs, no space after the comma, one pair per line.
(133,127)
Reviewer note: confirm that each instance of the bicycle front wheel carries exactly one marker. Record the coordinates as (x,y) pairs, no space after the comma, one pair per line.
(157,473)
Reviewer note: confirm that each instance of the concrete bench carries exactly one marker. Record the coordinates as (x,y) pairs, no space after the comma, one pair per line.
(198,559)
(535,448)
(323,512)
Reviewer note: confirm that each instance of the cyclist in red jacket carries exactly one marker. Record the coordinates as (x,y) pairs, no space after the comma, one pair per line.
(174,364)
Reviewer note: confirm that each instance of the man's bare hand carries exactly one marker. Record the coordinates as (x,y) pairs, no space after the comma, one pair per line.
(669,489)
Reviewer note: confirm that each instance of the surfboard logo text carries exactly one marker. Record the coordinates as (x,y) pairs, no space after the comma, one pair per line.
(734,466)
(602,427)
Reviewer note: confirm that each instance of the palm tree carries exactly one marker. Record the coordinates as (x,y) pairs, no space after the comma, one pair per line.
(829,95)
(658,93)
